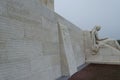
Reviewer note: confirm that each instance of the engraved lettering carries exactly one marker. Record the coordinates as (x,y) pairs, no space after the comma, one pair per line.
(16,7)
(16,10)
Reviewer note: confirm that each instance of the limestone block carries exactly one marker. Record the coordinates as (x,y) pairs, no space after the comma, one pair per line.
(94,59)
(77,44)
(68,50)
(43,75)
(50,37)
(111,59)
(79,56)
(11,29)
(55,60)
(50,49)
(51,76)
(15,50)
(40,67)
(110,51)
(2,45)
(38,75)
(49,14)
(103,59)
(3,56)
(50,29)
(105,51)
(40,64)
(21,10)
(57,71)
(87,40)
(35,76)
(64,64)
(33,49)
(14,71)
(33,32)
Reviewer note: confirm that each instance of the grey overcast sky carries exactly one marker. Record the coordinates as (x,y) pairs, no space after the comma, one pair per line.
(87,13)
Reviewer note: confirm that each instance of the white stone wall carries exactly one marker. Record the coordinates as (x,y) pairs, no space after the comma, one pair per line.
(29,41)
(76,35)
(77,43)
(68,53)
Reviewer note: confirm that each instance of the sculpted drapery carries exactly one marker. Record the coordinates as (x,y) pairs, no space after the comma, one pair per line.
(98,43)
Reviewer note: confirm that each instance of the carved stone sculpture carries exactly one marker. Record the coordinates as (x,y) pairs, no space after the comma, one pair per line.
(99,43)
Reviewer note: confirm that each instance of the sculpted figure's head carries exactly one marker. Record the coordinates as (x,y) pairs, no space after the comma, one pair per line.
(97,27)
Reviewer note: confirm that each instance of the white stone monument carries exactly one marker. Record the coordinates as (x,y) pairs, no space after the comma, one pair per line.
(97,42)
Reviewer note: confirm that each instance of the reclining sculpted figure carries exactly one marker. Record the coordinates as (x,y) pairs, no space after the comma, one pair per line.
(98,43)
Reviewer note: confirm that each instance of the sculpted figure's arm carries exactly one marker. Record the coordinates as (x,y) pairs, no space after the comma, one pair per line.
(102,39)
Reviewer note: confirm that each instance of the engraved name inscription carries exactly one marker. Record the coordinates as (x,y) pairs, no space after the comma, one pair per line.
(14,9)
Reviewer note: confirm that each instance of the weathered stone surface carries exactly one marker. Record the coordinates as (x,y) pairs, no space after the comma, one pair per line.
(77,44)
(30,42)
(11,29)
(50,37)
(68,50)
(38,44)
(33,32)
(48,3)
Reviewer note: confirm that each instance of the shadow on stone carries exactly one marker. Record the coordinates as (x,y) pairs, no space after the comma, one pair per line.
(63,78)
